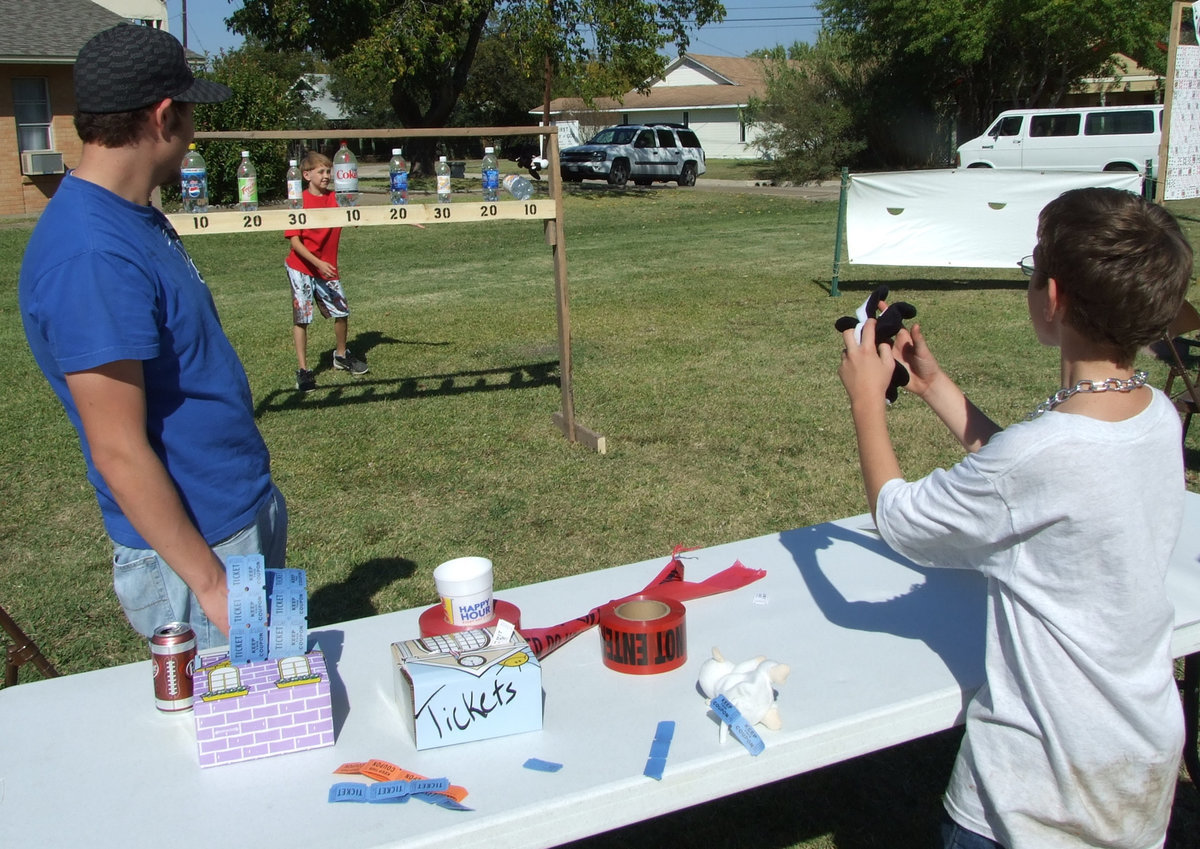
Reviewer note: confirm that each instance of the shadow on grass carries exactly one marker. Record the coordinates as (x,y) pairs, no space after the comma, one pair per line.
(366,390)
(364,343)
(352,597)
(926,285)
(890,798)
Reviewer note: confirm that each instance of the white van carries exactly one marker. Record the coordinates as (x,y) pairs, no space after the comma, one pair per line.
(1093,138)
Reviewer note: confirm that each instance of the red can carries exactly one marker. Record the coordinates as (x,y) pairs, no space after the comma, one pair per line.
(173,652)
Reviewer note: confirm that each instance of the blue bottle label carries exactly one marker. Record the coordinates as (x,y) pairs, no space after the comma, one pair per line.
(491,179)
(400,182)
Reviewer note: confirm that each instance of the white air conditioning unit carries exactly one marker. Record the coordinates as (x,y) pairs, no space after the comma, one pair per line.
(36,163)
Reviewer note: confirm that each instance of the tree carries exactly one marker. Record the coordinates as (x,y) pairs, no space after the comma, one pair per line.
(806,115)
(423,50)
(260,101)
(963,59)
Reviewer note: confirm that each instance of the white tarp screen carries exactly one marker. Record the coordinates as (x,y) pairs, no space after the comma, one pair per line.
(964,218)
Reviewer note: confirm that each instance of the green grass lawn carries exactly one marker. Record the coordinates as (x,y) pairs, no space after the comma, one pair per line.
(736,169)
(704,352)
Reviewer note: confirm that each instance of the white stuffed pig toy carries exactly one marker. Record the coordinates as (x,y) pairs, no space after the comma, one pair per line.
(749,686)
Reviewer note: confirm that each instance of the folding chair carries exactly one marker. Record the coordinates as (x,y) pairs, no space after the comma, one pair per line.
(23,650)
(1186,400)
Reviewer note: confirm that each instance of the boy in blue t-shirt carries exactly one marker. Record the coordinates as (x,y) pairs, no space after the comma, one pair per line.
(126,332)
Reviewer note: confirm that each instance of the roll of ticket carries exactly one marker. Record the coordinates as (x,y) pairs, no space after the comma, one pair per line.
(643,634)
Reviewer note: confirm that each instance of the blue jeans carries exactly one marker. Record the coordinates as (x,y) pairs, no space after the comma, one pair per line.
(152,595)
(954,836)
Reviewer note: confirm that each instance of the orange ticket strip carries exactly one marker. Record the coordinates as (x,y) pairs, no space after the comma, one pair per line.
(384,771)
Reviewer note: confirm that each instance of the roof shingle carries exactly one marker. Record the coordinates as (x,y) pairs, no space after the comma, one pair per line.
(49,30)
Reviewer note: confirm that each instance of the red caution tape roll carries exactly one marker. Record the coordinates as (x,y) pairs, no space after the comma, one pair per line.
(643,634)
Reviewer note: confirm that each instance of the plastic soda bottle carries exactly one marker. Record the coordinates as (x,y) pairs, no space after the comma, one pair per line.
(345,176)
(398,177)
(518,186)
(193,181)
(247,183)
(295,186)
(491,175)
(443,180)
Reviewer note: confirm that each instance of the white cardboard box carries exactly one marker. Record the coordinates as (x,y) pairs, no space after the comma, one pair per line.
(460,687)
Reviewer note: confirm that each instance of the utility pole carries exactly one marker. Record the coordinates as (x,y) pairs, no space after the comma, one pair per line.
(184,39)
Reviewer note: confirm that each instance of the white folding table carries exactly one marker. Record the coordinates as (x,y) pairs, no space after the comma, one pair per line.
(880,653)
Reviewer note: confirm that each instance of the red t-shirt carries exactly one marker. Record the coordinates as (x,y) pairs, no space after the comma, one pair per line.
(323,242)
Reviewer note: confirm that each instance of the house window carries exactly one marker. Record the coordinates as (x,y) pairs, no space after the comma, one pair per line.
(31,107)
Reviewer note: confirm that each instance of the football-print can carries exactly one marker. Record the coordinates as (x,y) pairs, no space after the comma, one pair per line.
(173,653)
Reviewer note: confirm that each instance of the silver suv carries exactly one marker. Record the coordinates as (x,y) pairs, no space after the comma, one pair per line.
(643,152)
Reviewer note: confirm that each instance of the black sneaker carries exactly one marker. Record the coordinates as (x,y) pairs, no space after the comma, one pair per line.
(350,363)
(305,381)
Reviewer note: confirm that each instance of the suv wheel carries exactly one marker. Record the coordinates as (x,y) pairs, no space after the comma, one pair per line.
(618,175)
(687,177)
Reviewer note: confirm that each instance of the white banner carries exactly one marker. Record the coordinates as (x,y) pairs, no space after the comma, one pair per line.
(962,218)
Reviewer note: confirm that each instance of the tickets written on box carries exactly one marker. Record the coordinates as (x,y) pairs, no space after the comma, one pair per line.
(464,686)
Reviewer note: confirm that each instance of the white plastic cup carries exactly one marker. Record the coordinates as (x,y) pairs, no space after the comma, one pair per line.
(465,585)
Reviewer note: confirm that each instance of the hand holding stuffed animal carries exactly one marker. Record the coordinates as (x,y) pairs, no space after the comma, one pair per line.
(887,326)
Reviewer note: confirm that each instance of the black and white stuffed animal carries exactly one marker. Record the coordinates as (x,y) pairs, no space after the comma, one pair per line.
(887,326)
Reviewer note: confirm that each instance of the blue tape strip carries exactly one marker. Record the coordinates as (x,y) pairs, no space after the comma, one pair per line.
(742,730)
(657,761)
(542,766)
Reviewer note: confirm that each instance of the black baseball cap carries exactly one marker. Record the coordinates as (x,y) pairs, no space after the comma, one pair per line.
(129,66)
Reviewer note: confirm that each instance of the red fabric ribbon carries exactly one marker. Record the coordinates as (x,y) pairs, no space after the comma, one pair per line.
(669,583)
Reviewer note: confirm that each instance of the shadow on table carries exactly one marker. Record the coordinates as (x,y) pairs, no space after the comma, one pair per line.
(946,610)
(331,641)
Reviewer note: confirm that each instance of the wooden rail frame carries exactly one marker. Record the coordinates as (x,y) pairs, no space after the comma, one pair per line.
(550,213)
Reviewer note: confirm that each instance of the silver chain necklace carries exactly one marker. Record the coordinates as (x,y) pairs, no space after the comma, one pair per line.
(1113,384)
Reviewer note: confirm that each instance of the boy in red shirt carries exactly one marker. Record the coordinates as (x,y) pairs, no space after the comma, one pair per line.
(312,269)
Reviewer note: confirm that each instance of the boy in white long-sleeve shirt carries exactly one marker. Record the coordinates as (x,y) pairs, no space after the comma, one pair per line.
(1074,740)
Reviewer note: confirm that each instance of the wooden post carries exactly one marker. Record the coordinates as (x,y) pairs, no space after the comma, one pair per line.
(841,231)
(555,235)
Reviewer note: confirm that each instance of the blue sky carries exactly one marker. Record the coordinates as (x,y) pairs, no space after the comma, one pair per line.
(748,25)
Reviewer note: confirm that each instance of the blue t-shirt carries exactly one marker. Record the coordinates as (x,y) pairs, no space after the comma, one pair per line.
(104,280)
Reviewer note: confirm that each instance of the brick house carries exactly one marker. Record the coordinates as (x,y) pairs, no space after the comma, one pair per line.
(38,45)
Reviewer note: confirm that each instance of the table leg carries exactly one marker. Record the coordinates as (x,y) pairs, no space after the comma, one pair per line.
(1191,714)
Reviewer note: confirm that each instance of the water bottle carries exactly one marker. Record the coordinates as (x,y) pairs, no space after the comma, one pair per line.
(345,177)
(247,183)
(518,186)
(295,186)
(443,180)
(491,175)
(193,183)
(398,177)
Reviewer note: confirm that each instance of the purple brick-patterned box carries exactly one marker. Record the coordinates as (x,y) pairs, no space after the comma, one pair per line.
(260,709)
